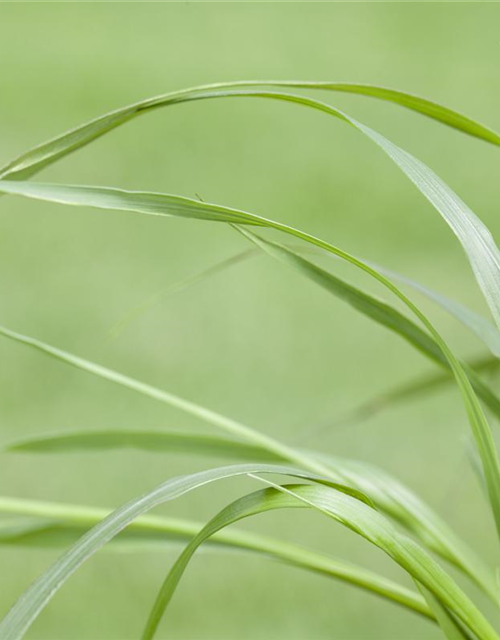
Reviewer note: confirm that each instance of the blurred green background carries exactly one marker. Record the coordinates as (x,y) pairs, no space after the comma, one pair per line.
(257,342)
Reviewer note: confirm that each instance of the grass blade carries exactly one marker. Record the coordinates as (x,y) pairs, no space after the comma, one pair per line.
(75,520)
(388,494)
(175,205)
(480,248)
(448,623)
(475,322)
(35,598)
(375,309)
(151,441)
(478,324)
(211,417)
(361,519)
(45,154)
(397,501)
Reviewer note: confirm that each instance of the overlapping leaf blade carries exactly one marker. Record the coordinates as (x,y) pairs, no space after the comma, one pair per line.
(388,494)
(475,322)
(57,524)
(45,154)
(449,624)
(476,239)
(478,324)
(359,518)
(152,441)
(375,309)
(35,598)
(474,236)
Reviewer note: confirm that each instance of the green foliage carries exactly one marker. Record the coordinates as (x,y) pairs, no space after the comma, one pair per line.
(362,498)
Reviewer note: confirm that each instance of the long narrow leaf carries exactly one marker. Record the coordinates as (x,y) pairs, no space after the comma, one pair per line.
(211,417)
(474,236)
(388,494)
(478,324)
(481,250)
(54,524)
(475,322)
(45,154)
(35,598)
(131,200)
(152,441)
(361,519)
(450,626)
(375,309)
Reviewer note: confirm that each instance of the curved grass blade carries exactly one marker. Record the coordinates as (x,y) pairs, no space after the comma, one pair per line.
(375,309)
(409,555)
(152,441)
(478,324)
(164,204)
(475,322)
(45,154)
(184,206)
(388,494)
(31,603)
(362,519)
(474,236)
(396,500)
(480,248)
(450,626)
(74,520)
(222,422)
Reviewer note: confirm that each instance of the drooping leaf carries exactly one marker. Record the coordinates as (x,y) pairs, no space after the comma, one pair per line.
(45,154)
(388,494)
(229,425)
(375,309)
(475,322)
(152,441)
(361,519)
(480,248)
(399,502)
(478,324)
(34,599)
(54,524)
(449,624)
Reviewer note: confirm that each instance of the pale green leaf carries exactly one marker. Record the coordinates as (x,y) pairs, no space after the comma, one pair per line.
(361,519)
(31,603)
(45,154)
(53,524)
(388,494)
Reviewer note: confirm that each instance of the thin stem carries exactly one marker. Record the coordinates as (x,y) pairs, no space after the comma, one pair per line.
(295,555)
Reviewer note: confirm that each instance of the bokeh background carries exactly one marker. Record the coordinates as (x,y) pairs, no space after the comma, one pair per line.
(256,342)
